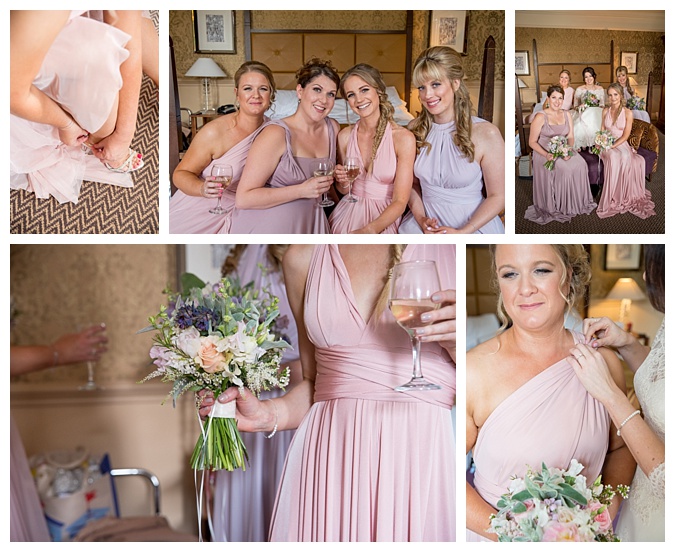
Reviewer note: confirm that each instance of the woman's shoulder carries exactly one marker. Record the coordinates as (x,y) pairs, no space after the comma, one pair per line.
(485,131)
(401,135)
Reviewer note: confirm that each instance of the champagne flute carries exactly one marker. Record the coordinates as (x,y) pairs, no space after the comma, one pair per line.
(352,168)
(412,285)
(324,167)
(91,384)
(222,174)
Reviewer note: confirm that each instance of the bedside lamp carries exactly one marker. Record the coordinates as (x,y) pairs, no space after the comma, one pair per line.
(207,69)
(625,290)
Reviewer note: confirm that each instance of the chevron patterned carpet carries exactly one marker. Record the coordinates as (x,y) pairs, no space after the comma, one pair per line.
(101,208)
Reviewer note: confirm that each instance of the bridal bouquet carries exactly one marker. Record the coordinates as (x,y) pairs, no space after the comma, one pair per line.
(588,100)
(635,102)
(555,505)
(558,147)
(602,142)
(216,337)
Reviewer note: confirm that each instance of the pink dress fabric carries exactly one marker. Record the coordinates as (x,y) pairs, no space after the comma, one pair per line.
(368,463)
(26,517)
(243,500)
(302,216)
(452,187)
(550,419)
(81,72)
(190,214)
(624,173)
(374,191)
(563,193)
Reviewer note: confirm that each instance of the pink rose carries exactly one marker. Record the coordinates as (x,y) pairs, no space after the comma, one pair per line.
(209,358)
(561,532)
(603,519)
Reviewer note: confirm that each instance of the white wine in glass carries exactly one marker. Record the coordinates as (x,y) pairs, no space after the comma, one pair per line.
(353,169)
(91,384)
(222,174)
(412,285)
(324,167)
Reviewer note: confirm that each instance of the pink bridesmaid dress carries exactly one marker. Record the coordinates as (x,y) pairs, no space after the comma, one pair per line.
(26,518)
(374,191)
(624,173)
(243,500)
(302,216)
(81,72)
(550,419)
(368,463)
(190,214)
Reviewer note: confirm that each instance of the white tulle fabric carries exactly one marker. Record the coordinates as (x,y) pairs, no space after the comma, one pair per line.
(643,514)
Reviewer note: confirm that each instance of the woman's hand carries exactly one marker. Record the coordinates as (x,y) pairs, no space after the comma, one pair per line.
(114,150)
(87,345)
(593,372)
(549,156)
(428,225)
(73,134)
(211,189)
(252,414)
(312,188)
(442,321)
(602,332)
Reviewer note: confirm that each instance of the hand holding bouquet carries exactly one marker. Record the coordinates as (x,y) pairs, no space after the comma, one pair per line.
(635,102)
(604,140)
(215,337)
(558,147)
(555,505)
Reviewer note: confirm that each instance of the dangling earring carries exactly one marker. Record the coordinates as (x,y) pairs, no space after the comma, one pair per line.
(236,104)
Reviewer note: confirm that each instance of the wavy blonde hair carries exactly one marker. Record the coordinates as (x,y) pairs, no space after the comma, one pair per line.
(373,78)
(576,274)
(275,254)
(439,63)
(623,69)
(622,102)
(395,254)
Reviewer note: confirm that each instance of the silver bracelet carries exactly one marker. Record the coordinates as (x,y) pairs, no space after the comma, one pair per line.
(276,421)
(618,431)
(472,225)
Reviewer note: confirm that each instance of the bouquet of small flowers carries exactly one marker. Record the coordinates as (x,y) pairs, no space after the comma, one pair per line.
(555,505)
(588,100)
(558,147)
(635,102)
(216,337)
(602,142)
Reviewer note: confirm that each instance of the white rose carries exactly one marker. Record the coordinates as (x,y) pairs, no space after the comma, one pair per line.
(189,342)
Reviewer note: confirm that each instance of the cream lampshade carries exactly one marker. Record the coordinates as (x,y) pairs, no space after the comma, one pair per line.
(207,69)
(625,290)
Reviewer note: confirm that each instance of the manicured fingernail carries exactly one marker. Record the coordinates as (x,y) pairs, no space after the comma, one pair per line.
(425,317)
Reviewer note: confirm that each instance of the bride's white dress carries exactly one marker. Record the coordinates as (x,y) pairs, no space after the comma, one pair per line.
(642,517)
(588,121)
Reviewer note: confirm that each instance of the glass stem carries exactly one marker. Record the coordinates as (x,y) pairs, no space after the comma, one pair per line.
(90,370)
(417,357)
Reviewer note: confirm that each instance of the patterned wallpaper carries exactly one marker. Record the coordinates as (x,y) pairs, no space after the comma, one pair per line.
(56,287)
(581,45)
(481,24)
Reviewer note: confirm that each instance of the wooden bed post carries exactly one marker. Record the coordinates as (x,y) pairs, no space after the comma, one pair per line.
(519,121)
(486,100)
(247,35)
(408,54)
(535,66)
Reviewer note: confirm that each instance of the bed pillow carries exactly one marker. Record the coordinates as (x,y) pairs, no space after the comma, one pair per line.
(394,98)
(285,104)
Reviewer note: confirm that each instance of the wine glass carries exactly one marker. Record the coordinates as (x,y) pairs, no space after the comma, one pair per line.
(412,285)
(353,168)
(324,167)
(91,384)
(222,174)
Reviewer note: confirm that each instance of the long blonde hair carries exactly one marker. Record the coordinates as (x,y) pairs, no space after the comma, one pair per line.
(395,254)
(438,63)
(275,254)
(623,69)
(622,102)
(576,274)
(374,78)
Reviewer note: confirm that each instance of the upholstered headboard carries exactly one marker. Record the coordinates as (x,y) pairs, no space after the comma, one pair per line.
(284,52)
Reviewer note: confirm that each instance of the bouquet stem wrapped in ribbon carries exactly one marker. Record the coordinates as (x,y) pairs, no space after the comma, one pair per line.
(558,147)
(216,337)
(555,505)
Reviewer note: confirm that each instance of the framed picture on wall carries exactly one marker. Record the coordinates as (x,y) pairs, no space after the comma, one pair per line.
(629,61)
(522,62)
(623,256)
(448,28)
(214,31)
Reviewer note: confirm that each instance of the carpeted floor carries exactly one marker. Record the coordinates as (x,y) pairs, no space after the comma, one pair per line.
(592,224)
(101,208)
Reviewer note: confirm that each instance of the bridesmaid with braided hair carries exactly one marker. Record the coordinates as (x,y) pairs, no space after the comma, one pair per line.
(367,463)
(386,153)
(458,155)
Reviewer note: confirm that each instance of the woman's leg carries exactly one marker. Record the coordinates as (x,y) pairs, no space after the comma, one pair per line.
(150,48)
